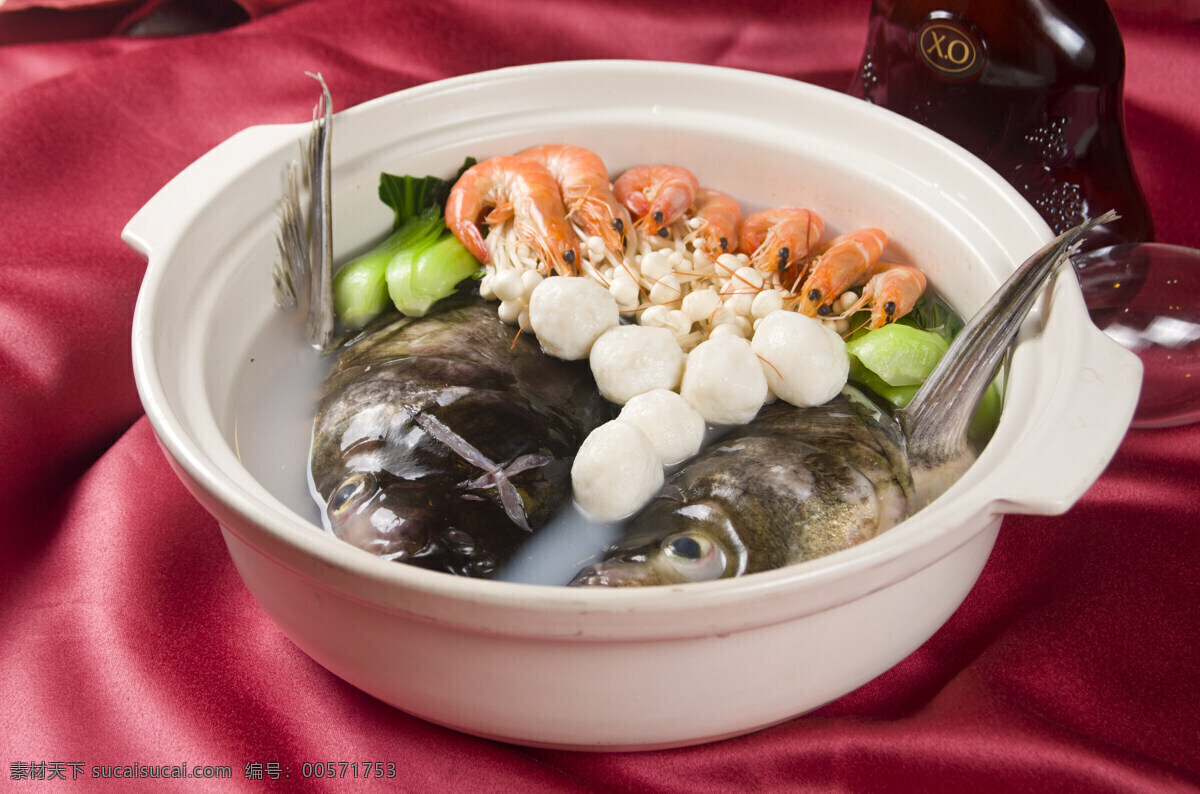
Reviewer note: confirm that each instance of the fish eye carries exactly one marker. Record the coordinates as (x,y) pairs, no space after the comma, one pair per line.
(694,555)
(349,494)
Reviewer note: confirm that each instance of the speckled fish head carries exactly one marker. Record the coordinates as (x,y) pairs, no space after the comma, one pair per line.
(677,543)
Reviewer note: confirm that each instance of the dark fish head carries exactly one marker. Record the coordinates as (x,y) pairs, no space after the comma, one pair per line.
(673,543)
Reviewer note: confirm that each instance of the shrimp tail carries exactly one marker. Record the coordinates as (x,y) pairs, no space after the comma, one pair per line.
(471,238)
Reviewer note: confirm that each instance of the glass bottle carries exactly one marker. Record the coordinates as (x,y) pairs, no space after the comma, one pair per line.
(1032,87)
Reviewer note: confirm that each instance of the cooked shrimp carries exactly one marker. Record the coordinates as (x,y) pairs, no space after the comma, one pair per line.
(842,265)
(519,189)
(657,195)
(891,291)
(719,216)
(779,239)
(583,180)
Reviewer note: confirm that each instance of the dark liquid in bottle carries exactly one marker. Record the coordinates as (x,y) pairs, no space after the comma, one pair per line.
(1032,87)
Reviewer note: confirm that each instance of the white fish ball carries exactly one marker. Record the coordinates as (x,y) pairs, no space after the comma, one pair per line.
(804,361)
(630,359)
(615,472)
(568,314)
(507,285)
(673,426)
(700,303)
(724,381)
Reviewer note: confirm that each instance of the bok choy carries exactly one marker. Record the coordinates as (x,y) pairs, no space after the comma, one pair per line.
(419,263)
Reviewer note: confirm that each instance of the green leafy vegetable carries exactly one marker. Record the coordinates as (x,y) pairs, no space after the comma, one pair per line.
(987,415)
(900,355)
(893,361)
(420,263)
(360,290)
(899,396)
(417,277)
(933,314)
(410,195)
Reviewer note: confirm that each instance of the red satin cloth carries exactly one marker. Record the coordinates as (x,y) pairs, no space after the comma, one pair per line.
(128,638)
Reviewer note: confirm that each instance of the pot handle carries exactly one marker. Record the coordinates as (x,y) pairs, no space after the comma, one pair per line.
(169,210)
(1078,439)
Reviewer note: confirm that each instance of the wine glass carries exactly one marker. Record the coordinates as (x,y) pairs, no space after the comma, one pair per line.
(1144,296)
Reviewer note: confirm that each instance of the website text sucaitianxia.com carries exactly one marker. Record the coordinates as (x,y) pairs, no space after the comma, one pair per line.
(250,770)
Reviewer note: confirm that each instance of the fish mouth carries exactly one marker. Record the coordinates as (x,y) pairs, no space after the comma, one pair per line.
(615,573)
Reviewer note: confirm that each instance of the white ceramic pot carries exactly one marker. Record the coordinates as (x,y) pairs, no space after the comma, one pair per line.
(626,668)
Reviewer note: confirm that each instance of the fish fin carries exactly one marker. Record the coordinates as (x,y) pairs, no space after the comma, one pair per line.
(292,240)
(303,274)
(320,309)
(935,422)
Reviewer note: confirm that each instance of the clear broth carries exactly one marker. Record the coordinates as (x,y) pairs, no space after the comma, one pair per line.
(274,411)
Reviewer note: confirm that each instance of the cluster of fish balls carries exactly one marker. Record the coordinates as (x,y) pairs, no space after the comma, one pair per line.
(669,397)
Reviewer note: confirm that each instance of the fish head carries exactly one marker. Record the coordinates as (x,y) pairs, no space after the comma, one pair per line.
(391,520)
(670,543)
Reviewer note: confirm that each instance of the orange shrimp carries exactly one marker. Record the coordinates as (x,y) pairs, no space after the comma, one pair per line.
(583,180)
(891,291)
(657,195)
(778,240)
(719,216)
(520,189)
(842,265)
